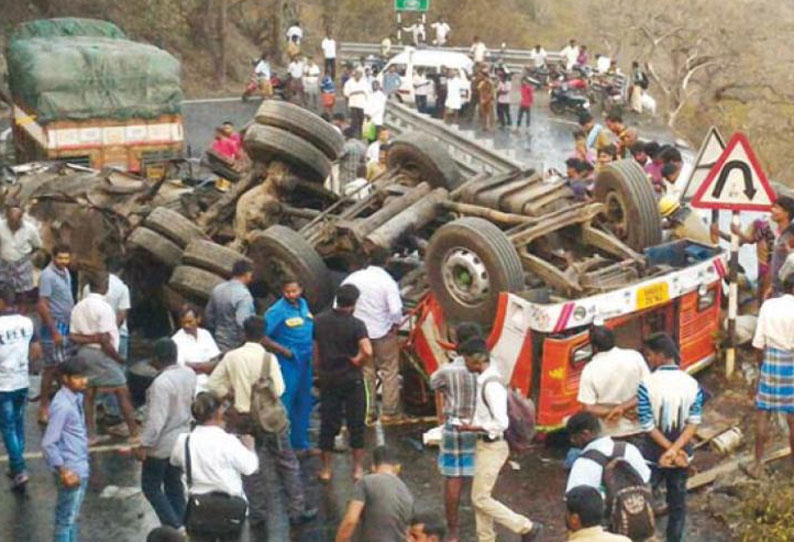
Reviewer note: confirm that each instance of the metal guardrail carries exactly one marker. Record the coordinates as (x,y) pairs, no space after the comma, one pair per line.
(473,157)
(512,58)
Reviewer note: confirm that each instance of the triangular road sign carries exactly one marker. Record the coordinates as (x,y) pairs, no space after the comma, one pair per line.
(736,181)
(710,151)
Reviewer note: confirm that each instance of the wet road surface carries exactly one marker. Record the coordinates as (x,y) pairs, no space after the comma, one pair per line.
(535,489)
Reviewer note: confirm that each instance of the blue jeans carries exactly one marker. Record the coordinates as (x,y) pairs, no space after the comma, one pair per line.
(675,481)
(162,486)
(12,425)
(67,508)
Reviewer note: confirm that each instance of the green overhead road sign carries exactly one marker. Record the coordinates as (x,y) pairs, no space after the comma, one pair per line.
(411,5)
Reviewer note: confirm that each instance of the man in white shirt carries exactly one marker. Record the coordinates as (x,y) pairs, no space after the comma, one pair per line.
(118,297)
(774,341)
(478,50)
(195,347)
(311,84)
(490,421)
(570,53)
(421,89)
(328,46)
(376,106)
(235,374)
(442,31)
(19,239)
(19,344)
(356,91)
(417,31)
(295,69)
(373,150)
(609,382)
(602,63)
(584,431)
(380,308)
(217,458)
(539,56)
(93,326)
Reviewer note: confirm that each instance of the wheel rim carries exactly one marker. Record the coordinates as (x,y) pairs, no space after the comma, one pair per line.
(616,214)
(465,276)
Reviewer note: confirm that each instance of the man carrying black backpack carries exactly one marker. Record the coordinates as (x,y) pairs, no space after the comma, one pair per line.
(617,468)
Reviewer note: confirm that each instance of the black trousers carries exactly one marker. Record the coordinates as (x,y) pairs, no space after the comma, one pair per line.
(342,399)
(503,112)
(421,103)
(521,112)
(675,481)
(356,120)
(330,67)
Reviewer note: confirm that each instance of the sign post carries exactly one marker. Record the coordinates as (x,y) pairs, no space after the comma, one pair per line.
(409,5)
(737,183)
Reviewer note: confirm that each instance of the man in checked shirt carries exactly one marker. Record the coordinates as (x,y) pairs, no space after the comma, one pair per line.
(455,389)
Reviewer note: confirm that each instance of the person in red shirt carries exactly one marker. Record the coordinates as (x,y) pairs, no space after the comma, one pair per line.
(527,97)
(225,146)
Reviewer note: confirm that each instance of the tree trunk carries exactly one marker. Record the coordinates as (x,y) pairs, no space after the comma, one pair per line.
(223,31)
(330,11)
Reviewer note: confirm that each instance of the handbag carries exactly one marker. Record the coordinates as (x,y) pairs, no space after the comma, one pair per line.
(268,414)
(214,514)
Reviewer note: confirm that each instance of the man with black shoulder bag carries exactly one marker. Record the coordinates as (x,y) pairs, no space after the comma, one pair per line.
(253,376)
(214,462)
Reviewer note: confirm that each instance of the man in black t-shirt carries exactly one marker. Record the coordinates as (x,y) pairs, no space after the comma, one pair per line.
(341,347)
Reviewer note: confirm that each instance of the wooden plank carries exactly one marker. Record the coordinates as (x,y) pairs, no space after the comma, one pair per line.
(704,478)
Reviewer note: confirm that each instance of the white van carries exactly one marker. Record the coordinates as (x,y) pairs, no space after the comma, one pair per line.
(431,61)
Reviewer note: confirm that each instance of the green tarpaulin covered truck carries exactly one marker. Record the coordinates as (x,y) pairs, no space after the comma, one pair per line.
(83,92)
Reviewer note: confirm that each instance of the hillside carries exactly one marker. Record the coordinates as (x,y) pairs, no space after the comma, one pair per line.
(706,69)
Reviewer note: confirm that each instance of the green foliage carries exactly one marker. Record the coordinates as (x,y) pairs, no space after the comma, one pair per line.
(767,513)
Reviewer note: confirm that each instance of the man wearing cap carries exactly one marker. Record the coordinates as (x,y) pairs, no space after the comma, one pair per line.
(683,222)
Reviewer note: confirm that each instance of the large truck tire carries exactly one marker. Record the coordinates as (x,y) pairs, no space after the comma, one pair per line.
(155,245)
(469,263)
(212,257)
(424,158)
(302,123)
(174,226)
(279,252)
(194,283)
(632,212)
(266,143)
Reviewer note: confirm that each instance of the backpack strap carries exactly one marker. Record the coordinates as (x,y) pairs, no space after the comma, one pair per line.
(602,459)
(188,464)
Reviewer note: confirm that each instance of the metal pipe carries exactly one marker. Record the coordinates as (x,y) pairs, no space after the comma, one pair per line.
(412,218)
(363,226)
(485,212)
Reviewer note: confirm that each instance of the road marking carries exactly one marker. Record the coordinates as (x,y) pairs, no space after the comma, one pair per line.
(212,100)
(562,121)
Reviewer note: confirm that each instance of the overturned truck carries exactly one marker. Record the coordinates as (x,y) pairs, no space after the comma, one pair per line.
(515,251)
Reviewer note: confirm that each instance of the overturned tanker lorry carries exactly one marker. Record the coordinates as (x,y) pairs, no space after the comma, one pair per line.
(512,251)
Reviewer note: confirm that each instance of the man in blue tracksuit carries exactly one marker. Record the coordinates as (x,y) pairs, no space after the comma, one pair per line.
(289,326)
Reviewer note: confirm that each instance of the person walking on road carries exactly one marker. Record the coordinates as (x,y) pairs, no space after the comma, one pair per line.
(382,505)
(669,407)
(525,106)
(328,46)
(455,390)
(380,308)
(289,332)
(18,347)
(774,342)
(487,93)
(230,304)
(234,376)
(55,310)
(341,348)
(489,423)
(167,415)
(65,448)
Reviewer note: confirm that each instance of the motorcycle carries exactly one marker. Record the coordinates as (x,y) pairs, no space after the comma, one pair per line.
(277,87)
(562,99)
